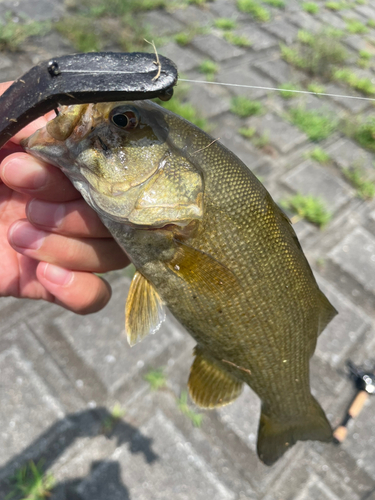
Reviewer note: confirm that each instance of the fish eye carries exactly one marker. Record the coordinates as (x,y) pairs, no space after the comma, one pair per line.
(127,119)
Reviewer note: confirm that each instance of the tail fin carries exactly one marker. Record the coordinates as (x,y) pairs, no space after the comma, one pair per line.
(275,437)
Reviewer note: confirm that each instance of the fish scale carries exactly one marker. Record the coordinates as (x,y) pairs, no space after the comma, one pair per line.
(209,242)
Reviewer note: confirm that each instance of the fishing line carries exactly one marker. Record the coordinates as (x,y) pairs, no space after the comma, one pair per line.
(279,89)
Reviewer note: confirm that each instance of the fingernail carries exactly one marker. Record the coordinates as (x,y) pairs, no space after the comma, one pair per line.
(25,173)
(24,235)
(57,275)
(45,214)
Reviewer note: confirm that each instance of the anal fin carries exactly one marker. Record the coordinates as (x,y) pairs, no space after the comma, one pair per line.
(210,386)
(144,311)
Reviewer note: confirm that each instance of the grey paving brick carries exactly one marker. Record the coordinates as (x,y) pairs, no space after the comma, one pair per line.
(38,11)
(345,329)
(27,408)
(259,38)
(310,178)
(5,62)
(305,21)
(355,254)
(279,71)
(283,30)
(210,100)
(346,153)
(162,23)
(281,134)
(99,341)
(330,19)
(185,58)
(216,48)
(223,8)
(193,16)
(243,74)
(368,11)
(125,474)
(352,105)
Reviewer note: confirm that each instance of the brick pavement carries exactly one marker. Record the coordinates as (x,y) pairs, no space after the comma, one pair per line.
(61,374)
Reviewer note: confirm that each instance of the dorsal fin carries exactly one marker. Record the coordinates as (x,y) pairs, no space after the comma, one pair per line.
(210,386)
(144,312)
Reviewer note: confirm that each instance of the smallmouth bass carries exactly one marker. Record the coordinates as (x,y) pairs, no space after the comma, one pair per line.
(209,242)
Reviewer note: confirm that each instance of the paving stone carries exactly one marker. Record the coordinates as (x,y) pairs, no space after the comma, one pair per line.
(38,11)
(27,408)
(345,329)
(162,23)
(193,16)
(223,8)
(216,48)
(304,21)
(330,19)
(260,39)
(283,30)
(355,254)
(5,62)
(243,74)
(357,43)
(346,153)
(185,58)
(352,105)
(367,11)
(311,179)
(132,476)
(211,100)
(100,341)
(281,134)
(279,71)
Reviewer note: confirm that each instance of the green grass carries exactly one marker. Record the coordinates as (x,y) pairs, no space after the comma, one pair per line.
(285,88)
(365,134)
(280,4)
(260,141)
(253,8)
(336,5)
(308,207)
(244,107)
(362,84)
(318,154)
(247,132)
(110,422)
(225,23)
(355,27)
(317,88)
(31,483)
(371,23)
(238,40)
(182,38)
(14,34)
(156,379)
(365,189)
(182,403)
(365,54)
(310,7)
(316,125)
(316,53)
(208,68)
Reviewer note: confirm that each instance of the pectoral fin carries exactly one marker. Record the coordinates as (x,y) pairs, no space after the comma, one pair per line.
(209,385)
(199,268)
(144,311)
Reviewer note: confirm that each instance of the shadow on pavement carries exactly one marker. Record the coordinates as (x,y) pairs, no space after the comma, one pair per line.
(50,446)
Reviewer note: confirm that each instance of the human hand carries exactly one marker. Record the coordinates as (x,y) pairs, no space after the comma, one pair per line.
(51,241)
